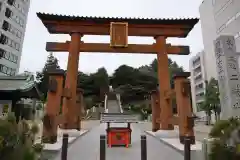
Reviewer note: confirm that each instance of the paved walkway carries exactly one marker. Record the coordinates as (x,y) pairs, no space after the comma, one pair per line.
(201,130)
(87,148)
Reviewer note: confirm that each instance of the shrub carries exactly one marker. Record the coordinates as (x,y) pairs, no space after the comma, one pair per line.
(225,145)
(17,140)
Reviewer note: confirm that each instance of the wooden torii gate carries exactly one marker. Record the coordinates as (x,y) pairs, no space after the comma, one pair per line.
(119,29)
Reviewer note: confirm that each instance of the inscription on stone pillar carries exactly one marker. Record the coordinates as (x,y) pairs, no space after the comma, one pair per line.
(119,34)
(228,76)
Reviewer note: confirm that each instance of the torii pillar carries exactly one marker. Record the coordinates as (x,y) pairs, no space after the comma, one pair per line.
(164,83)
(70,111)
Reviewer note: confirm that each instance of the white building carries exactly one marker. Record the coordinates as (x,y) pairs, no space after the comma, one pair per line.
(13,20)
(218,17)
(198,78)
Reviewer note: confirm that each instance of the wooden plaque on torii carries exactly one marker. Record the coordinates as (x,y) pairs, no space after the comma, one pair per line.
(118,34)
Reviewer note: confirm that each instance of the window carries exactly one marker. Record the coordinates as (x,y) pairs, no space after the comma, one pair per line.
(11,2)
(1,53)
(0,6)
(5,25)
(196,61)
(8,56)
(11,43)
(7,70)
(8,13)
(3,39)
(17,19)
(8,27)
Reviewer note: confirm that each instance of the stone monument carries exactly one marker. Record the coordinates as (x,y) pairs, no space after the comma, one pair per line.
(228,76)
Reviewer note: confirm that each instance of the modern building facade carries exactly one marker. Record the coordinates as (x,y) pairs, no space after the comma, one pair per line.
(218,17)
(197,78)
(13,20)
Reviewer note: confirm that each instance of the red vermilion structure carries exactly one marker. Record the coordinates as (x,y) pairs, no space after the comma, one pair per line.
(119,136)
(119,29)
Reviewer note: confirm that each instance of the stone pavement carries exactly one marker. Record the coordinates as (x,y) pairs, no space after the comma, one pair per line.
(73,135)
(171,138)
(51,150)
(87,148)
(201,130)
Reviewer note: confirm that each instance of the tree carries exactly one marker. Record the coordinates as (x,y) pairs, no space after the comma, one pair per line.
(43,77)
(211,100)
(208,111)
(101,81)
(135,83)
(95,85)
(213,96)
(172,66)
(123,75)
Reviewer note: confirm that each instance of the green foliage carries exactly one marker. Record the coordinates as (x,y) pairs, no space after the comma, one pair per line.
(134,84)
(16,140)
(95,85)
(220,151)
(223,128)
(43,77)
(222,134)
(211,100)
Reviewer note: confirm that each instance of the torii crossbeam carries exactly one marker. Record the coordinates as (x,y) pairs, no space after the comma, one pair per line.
(119,29)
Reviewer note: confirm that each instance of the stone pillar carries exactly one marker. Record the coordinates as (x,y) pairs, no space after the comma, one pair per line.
(50,122)
(228,76)
(185,119)
(155,111)
(164,84)
(79,106)
(69,104)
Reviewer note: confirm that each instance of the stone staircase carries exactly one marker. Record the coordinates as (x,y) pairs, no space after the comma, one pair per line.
(112,103)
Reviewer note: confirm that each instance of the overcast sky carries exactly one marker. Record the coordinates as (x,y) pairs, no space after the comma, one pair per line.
(34,54)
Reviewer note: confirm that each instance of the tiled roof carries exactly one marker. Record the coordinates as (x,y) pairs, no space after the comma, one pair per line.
(11,83)
(187,21)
